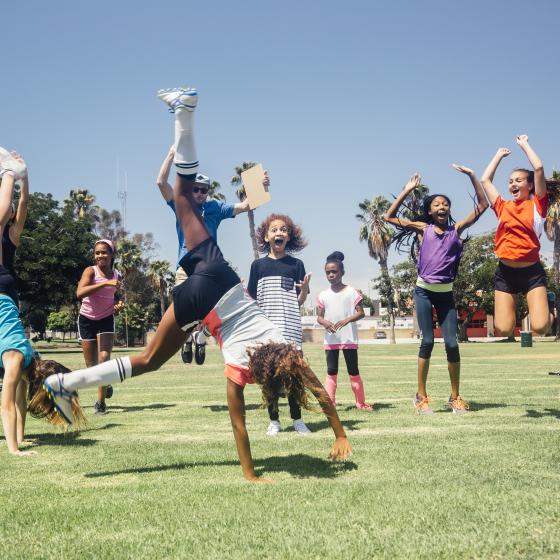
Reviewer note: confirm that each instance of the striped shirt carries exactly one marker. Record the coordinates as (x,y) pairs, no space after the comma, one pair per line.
(272,283)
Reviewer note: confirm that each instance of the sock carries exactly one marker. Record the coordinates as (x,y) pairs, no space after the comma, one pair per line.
(330,386)
(200,337)
(186,160)
(107,373)
(358,388)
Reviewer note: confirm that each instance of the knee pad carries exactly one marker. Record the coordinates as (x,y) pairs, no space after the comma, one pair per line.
(452,353)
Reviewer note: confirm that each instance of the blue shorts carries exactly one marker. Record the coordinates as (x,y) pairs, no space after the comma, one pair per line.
(12,335)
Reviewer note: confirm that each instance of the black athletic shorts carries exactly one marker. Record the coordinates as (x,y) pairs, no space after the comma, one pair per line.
(519,280)
(209,278)
(88,329)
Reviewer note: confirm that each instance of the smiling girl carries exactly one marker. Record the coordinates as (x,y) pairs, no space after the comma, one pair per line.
(520,225)
(440,249)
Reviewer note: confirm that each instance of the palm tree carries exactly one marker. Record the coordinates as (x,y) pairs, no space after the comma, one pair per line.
(158,271)
(378,236)
(213,191)
(129,258)
(237,182)
(552,230)
(82,201)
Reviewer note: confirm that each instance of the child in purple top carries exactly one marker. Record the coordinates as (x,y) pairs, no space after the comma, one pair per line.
(440,249)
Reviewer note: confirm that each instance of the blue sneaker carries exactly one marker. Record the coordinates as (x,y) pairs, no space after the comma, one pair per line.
(179,98)
(61,397)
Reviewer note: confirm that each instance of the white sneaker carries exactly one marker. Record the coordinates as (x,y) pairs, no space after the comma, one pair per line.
(61,397)
(273,428)
(179,98)
(300,427)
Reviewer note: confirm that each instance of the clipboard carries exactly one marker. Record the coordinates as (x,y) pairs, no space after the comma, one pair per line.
(256,193)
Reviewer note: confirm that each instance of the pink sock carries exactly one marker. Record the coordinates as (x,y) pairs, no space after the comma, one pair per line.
(330,386)
(358,388)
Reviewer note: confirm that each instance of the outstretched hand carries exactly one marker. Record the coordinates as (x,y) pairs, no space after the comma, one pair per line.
(341,449)
(304,284)
(266,181)
(463,169)
(260,480)
(503,152)
(412,183)
(20,453)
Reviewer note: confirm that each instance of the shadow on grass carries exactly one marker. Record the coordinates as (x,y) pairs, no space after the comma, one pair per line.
(73,438)
(473,405)
(349,425)
(139,408)
(376,406)
(299,465)
(224,407)
(553,413)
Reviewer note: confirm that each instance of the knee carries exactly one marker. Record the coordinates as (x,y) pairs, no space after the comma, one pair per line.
(540,329)
(146,361)
(504,326)
(452,351)
(426,347)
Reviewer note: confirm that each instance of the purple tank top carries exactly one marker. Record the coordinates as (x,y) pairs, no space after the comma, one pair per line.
(99,304)
(439,256)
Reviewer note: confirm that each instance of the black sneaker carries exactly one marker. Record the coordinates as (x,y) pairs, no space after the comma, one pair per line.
(108,391)
(100,408)
(186,352)
(199,353)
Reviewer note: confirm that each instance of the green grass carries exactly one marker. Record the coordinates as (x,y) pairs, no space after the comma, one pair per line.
(159,477)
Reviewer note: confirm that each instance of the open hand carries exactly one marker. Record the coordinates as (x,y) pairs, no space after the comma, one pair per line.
(260,480)
(412,183)
(118,307)
(304,284)
(330,327)
(20,453)
(341,449)
(463,169)
(266,181)
(340,324)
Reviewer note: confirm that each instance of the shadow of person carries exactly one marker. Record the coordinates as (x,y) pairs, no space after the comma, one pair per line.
(319,425)
(473,405)
(552,412)
(140,408)
(224,407)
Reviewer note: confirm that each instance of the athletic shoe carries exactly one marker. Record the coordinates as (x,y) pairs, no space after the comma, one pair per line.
(300,427)
(422,404)
(458,405)
(10,163)
(274,428)
(179,98)
(100,408)
(61,397)
(186,352)
(199,353)
(367,407)
(108,391)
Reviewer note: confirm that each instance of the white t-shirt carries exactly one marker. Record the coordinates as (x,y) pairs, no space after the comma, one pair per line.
(338,306)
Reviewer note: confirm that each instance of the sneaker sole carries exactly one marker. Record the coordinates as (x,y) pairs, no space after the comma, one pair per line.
(50,393)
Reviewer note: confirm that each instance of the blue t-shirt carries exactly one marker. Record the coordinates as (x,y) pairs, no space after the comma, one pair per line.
(213,212)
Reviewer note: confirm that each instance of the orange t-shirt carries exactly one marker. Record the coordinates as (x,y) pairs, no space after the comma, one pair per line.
(520,225)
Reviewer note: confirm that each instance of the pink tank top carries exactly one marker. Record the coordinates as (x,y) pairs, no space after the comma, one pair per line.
(99,304)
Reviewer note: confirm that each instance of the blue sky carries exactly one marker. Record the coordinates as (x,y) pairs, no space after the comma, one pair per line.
(339,101)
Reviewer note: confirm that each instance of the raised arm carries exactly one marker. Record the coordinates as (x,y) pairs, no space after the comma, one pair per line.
(21,213)
(490,190)
(391,214)
(481,205)
(535,161)
(163,177)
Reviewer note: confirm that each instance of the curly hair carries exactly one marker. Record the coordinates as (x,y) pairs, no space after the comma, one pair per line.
(296,241)
(39,403)
(278,368)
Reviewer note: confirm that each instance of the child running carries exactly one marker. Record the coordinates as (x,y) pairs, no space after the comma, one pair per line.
(517,245)
(279,284)
(339,308)
(96,320)
(254,350)
(440,249)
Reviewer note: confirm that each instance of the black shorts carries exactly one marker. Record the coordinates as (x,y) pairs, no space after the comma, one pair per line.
(519,280)
(209,278)
(88,329)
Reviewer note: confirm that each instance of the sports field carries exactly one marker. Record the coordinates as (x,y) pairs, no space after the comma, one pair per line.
(158,477)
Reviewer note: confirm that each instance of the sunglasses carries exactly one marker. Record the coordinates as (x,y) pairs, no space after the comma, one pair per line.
(203,190)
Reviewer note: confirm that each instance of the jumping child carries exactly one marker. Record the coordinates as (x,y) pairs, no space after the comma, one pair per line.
(517,245)
(339,308)
(254,350)
(439,253)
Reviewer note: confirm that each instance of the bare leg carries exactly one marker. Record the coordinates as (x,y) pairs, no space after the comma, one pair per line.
(189,217)
(105,345)
(504,312)
(454,369)
(538,310)
(423,367)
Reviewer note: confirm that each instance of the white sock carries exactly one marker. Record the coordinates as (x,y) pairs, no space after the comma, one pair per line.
(186,160)
(113,371)
(200,337)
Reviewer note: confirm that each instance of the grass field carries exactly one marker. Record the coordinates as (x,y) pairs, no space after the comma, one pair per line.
(158,477)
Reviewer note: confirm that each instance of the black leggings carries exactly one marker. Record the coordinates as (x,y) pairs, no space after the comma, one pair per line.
(295,409)
(350,357)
